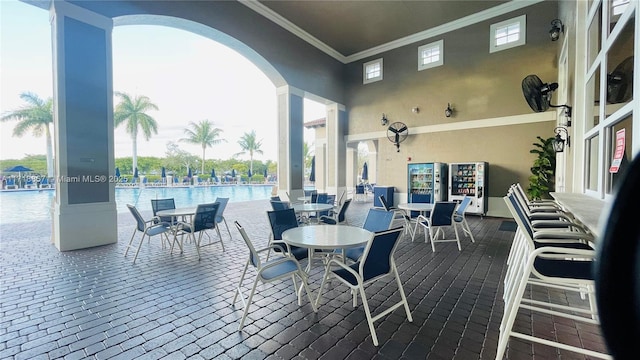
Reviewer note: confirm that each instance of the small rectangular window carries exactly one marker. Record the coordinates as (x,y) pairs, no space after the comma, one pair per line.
(430,55)
(508,34)
(372,71)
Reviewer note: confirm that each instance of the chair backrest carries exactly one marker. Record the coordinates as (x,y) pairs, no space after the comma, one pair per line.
(140,223)
(163,204)
(323,198)
(223,205)
(294,195)
(518,213)
(343,210)
(205,216)
(310,192)
(331,199)
(459,214)
(253,254)
(276,198)
(383,201)
(442,213)
(420,198)
(359,189)
(378,220)
(279,205)
(44,181)
(314,197)
(341,197)
(377,259)
(280,221)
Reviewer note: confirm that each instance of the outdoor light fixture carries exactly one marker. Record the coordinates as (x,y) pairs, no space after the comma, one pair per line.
(448,111)
(556,29)
(559,141)
(384,120)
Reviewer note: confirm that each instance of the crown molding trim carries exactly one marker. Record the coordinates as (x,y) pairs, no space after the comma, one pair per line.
(484,15)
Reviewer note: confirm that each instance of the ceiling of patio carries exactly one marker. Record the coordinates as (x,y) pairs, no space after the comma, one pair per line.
(350,27)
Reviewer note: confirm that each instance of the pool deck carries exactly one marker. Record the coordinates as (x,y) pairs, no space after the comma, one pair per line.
(96,304)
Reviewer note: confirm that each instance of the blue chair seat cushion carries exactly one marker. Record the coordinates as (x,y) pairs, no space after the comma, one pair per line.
(571,269)
(284,268)
(157,229)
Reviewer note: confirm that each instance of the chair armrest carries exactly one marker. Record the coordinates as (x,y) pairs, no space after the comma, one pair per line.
(342,265)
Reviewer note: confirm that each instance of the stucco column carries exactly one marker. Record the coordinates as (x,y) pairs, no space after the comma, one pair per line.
(336,148)
(352,166)
(320,152)
(85,212)
(290,139)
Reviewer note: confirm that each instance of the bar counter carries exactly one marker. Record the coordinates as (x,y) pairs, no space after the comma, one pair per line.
(585,208)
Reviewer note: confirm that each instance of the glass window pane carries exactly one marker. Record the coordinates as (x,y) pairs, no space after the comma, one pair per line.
(592,113)
(592,163)
(619,152)
(620,69)
(594,40)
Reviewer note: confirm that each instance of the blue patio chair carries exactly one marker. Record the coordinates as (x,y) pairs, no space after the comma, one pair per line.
(377,263)
(281,221)
(339,216)
(11,183)
(460,219)
(282,267)
(280,205)
(147,228)
(220,214)
(440,219)
(203,219)
(377,220)
(163,204)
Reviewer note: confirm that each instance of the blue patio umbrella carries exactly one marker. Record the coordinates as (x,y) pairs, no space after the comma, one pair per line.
(312,174)
(117,172)
(213,175)
(135,173)
(189,174)
(18,169)
(163,173)
(265,173)
(233,173)
(365,172)
(249,174)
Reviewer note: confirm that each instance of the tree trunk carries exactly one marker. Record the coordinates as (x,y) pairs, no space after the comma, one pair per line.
(50,172)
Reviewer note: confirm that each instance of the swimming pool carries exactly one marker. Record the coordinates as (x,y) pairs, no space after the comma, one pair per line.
(33,205)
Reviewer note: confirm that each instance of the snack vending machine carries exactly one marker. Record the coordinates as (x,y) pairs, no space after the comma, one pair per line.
(469,179)
(428,180)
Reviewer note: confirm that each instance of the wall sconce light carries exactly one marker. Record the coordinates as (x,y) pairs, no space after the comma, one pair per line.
(384,120)
(559,141)
(556,29)
(448,111)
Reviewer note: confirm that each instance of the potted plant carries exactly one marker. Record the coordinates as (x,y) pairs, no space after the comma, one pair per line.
(543,171)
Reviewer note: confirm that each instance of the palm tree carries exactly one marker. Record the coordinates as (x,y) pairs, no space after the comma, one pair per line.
(203,134)
(250,145)
(133,113)
(35,116)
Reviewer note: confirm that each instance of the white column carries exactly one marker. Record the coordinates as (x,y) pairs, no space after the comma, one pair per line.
(85,212)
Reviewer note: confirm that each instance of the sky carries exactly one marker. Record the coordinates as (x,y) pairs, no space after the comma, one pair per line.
(190,78)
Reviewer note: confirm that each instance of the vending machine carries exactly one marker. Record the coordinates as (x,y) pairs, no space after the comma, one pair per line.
(469,179)
(428,179)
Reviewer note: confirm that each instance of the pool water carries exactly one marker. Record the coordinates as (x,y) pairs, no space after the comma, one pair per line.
(33,205)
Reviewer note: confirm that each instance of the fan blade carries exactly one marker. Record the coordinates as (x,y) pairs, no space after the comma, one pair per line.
(404,128)
(397,138)
(393,129)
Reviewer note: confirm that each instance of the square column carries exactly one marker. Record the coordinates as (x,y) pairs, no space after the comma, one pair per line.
(85,212)
(336,148)
(291,139)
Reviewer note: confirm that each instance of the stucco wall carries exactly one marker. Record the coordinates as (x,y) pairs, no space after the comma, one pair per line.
(479,85)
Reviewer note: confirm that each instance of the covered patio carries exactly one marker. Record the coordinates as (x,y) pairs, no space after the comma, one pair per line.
(94,303)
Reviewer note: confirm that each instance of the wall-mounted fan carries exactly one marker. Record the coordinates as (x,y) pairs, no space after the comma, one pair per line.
(538,94)
(620,82)
(397,133)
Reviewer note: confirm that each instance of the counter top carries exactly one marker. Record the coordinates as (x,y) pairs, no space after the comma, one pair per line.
(585,208)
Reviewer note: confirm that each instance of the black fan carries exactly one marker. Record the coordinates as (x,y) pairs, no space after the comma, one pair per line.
(397,133)
(538,94)
(620,82)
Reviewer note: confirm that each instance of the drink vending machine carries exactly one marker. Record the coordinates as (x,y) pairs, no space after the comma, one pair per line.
(469,179)
(429,180)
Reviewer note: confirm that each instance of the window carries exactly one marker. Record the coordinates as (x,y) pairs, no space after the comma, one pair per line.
(430,55)
(372,71)
(508,34)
